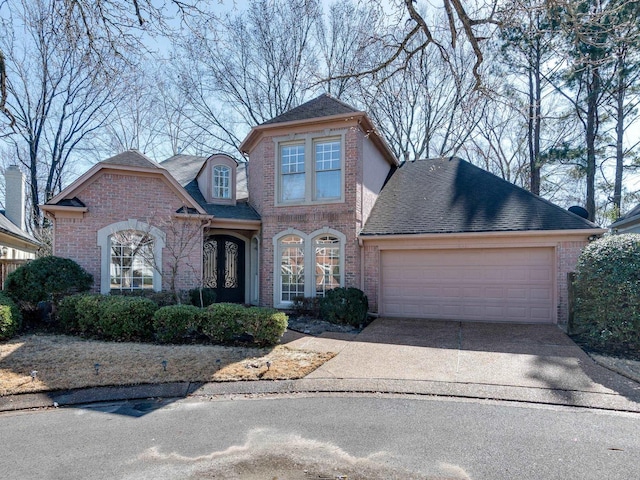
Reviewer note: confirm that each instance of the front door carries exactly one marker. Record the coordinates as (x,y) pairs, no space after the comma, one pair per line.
(224,267)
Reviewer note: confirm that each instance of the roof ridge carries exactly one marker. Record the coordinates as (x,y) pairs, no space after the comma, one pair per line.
(324,105)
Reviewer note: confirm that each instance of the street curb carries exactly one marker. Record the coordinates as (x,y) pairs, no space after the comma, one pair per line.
(603,401)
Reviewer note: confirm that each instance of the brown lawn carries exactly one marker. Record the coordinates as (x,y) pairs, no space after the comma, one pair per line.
(64,362)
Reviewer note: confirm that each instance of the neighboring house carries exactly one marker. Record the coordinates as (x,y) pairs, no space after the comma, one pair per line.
(16,245)
(323,202)
(628,223)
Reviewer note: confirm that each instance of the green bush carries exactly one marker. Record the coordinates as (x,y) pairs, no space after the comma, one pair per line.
(202,297)
(222,322)
(607,293)
(162,299)
(227,322)
(87,310)
(265,325)
(175,322)
(67,313)
(46,279)
(110,317)
(345,306)
(10,317)
(126,318)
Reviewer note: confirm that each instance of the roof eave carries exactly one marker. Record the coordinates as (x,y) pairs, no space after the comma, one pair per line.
(588,232)
(625,222)
(159,171)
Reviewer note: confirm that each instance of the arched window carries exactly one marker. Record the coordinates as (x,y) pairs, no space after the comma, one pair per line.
(131,264)
(291,253)
(327,264)
(221,181)
(130,256)
(307,265)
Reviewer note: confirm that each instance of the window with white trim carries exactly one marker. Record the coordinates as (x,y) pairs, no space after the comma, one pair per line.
(131,261)
(130,256)
(221,181)
(310,170)
(307,265)
(327,262)
(292,281)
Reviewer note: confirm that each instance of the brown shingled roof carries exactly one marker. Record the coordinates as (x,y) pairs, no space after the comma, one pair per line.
(132,158)
(323,106)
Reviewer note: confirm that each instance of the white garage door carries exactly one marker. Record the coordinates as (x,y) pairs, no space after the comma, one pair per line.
(506,285)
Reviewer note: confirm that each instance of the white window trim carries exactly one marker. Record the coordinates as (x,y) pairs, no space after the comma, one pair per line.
(309,141)
(229,188)
(104,242)
(309,261)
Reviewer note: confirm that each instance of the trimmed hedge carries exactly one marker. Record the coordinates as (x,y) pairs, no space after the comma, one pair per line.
(607,293)
(228,322)
(345,306)
(46,279)
(222,322)
(124,318)
(108,317)
(162,299)
(265,325)
(173,323)
(10,317)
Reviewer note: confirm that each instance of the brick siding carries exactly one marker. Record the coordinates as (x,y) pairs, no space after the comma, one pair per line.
(112,198)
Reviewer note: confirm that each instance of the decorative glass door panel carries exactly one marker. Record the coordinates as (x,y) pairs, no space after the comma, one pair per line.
(224,259)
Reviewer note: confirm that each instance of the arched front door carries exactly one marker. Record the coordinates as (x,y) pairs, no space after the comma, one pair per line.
(224,267)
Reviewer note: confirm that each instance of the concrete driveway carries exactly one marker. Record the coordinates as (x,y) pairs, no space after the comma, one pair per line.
(521,360)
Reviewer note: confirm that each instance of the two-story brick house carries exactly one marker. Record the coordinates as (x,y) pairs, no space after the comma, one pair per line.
(322,202)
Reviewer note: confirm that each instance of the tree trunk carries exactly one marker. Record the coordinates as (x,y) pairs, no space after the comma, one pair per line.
(593,91)
(620,91)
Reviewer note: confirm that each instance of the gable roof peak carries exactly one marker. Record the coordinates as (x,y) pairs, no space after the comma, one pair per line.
(131,158)
(324,105)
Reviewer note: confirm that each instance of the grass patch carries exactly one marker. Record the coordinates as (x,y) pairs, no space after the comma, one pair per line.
(64,362)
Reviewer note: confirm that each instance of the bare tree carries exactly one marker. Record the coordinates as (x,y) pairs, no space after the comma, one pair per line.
(248,68)
(430,108)
(106,28)
(343,38)
(57,97)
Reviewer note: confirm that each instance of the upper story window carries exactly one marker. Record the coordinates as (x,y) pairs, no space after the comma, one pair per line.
(311,171)
(221,182)
(217,179)
(292,169)
(328,170)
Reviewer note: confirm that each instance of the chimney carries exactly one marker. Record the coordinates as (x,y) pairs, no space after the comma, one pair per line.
(14,196)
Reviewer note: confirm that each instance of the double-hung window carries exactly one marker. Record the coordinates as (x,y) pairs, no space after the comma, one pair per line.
(292,168)
(311,171)
(328,183)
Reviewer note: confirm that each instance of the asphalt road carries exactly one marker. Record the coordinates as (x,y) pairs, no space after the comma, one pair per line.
(319,437)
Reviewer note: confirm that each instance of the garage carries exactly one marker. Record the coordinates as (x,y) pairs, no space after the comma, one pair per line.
(473,284)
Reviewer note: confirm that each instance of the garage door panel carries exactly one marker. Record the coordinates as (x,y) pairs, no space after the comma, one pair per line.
(469,284)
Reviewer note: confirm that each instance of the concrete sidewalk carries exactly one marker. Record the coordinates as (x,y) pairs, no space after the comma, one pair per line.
(523,363)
